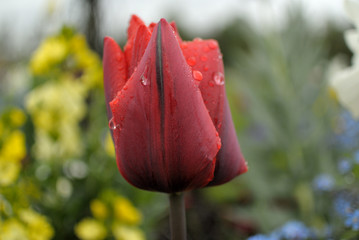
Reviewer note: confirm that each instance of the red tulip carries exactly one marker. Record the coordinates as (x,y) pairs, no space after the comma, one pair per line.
(168,111)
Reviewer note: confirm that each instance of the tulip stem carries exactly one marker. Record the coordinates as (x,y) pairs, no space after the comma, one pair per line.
(177,217)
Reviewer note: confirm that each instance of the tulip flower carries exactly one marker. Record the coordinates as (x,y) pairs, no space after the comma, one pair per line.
(168,112)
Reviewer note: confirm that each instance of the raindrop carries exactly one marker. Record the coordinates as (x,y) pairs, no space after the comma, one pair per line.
(125,87)
(213,44)
(217,134)
(219,145)
(206,49)
(197,39)
(112,124)
(205,68)
(204,58)
(197,75)
(211,83)
(218,78)
(144,77)
(191,61)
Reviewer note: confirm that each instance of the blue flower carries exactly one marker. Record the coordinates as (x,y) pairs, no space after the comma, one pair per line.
(264,237)
(356,157)
(353,220)
(323,182)
(258,237)
(342,206)
(348,138)
(344,166)
(295,230)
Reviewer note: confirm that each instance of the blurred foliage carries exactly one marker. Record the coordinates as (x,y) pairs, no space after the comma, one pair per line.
(58,174)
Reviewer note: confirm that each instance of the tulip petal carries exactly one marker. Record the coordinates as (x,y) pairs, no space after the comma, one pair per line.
(141,41)
(205,56)
(175,29)
(165,139)
(132,30)
(230,161)
(115,71)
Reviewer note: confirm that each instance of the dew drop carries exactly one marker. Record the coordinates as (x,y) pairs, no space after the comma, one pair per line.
(213,44)
(144,77)
(197,75)
(112,124)
(197,39)
(218,78)
(211,83)
(219,145)
(206,68)
(206,49)
(184,45)
(204,58)
(125,87)
(217,134)
(191,61)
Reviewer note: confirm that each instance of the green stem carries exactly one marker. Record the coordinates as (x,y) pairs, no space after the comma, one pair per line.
(177,217)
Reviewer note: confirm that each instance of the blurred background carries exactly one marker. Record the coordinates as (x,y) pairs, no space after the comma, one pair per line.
(58,175)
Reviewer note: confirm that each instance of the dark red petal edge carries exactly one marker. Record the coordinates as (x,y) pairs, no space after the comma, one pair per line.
(115,70)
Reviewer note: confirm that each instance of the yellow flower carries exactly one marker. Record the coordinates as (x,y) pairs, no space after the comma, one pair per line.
(122,232)
(14,148)
(126,212)
(90,229)
(17,117)
(98,209)
(9,172)
(12,229)
(37,225)
(52,51)
(1,128)
(109,147)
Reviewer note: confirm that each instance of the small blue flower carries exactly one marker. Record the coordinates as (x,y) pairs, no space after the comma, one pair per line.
(258,237)
(356,157)
(342,206)
(344,166)
(295,230)
(323,182)
(348,138)
(353,220)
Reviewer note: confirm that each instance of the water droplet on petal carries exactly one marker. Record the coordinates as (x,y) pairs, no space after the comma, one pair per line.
(125,87)
(197,39)
(206,49)
(197,75)
(219,145)
(112,124)
(144,77)
(212,44)
(218,78)
(211,83)
(184,45)
(217,134)
(204,58)
(191,61)
(206,68)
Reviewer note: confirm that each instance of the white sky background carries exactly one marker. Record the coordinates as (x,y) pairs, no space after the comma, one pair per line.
(200,17)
